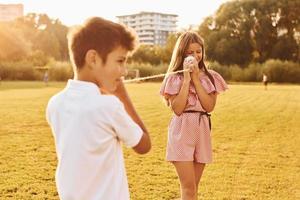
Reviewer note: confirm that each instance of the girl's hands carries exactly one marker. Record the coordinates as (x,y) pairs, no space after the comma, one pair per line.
(196,72)
(191,63)
(187,65)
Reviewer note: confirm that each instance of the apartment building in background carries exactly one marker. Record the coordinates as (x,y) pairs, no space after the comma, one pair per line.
(152,28)
(9,12)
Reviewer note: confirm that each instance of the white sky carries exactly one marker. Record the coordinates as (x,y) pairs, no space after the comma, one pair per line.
(71,12)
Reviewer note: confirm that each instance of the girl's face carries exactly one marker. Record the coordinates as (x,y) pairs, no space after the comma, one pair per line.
(195,50)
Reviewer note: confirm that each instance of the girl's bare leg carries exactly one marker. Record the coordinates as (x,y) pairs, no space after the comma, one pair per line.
(198,170)
(186,173)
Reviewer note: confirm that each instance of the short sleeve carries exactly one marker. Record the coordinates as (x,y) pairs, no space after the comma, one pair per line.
(171,85)
(219,83)
(126,129)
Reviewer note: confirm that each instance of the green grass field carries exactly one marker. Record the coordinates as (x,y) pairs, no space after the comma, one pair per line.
(256,144)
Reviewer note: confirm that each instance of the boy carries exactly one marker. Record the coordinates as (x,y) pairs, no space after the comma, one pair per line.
(93,114)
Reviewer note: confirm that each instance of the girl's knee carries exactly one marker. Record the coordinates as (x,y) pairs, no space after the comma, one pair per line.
(189,189)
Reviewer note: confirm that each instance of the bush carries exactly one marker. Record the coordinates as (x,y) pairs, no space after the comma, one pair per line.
(26,70)
(276,70)
(237,73)
(282,71)
(253,73)
(221,69)
(59,71)
(149,70)
(21,70)
(29,69)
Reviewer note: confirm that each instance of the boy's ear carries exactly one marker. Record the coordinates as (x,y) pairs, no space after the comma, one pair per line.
(91,58)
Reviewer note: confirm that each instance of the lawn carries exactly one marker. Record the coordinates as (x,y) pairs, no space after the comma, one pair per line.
(256,144)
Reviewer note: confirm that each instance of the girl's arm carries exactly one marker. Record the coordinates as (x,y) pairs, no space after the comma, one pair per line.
(208,101)
(178,102)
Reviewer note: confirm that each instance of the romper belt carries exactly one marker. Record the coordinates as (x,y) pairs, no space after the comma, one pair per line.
(200,114)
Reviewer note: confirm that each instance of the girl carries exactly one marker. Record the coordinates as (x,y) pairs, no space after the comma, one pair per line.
(192,95)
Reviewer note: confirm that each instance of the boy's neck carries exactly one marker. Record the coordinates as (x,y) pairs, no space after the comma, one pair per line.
(80,77)
(83,75)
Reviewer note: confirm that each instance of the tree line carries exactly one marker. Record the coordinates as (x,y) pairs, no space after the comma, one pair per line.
(243,32)
(34,35)
(239,33)
(248,31)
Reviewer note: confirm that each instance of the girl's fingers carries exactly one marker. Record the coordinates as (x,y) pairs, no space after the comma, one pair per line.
(192,68)
(189,67)
(185,65)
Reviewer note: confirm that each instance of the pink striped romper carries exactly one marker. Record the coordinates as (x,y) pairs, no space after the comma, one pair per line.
(189,133)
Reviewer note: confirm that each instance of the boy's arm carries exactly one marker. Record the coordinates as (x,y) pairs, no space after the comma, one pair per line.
(144,144)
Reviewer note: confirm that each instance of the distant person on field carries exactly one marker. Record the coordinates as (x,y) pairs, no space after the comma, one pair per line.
(46,77)
(191,95)
(265,81)
(93,115)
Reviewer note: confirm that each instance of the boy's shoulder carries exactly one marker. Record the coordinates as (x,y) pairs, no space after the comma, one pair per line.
(56,97)
(107,100)
(94,103)
(103,106)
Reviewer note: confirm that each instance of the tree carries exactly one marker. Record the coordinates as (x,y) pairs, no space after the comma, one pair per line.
(167,50)
(241,32)
(45,34)
(13,44)
(148,54)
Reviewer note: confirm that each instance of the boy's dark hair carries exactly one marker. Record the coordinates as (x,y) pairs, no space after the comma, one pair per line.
(100,35)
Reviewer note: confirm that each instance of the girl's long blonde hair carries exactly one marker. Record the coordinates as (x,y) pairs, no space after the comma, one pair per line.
(178,55)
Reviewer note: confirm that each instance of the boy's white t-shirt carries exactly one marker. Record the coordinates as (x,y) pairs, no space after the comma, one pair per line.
(88,129)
